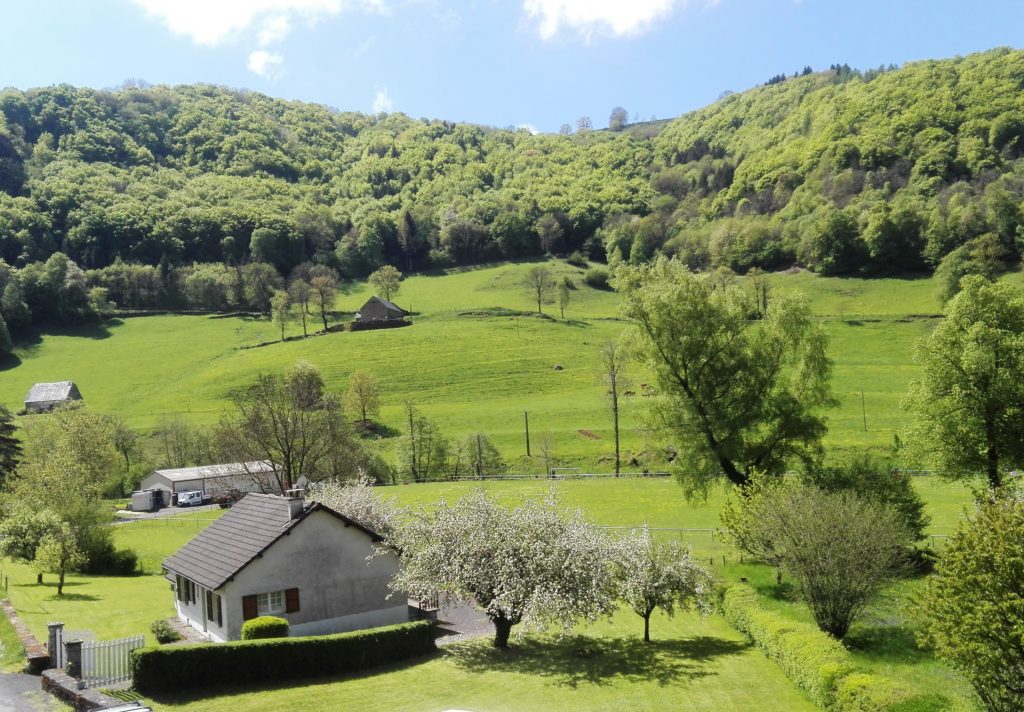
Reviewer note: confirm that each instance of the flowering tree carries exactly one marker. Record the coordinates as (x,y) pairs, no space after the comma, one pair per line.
(654,575)
(533,564)
(357,500)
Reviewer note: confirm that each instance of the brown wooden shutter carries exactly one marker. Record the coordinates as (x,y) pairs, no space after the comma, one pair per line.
(291,600)
(249,607)
(220,610)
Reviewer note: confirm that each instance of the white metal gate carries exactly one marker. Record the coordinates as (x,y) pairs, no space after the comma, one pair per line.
(106,662)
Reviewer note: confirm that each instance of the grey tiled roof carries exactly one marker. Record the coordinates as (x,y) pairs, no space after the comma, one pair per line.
(232,469)
(242,533)
(43,392)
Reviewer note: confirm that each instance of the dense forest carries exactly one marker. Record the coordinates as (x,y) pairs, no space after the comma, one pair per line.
(137,191)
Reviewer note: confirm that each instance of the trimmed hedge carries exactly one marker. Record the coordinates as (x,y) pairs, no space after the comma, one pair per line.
(815,661)
(265,627)
(203,666)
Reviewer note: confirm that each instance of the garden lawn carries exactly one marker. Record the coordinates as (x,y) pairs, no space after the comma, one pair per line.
(692,664)
(108,606)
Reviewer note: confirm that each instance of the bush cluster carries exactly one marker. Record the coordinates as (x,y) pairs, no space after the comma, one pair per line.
(108,561)
(203,666)
(265,627)
(597,277)
(813,660)
(163,632)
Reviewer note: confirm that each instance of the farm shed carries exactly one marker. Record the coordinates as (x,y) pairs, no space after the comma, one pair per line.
(282,556)
(212,479)
(377,310)
(47,396)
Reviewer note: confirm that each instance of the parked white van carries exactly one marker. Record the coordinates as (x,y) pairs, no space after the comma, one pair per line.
(192,498)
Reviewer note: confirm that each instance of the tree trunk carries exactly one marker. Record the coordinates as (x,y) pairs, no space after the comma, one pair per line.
(995,480)
(502,630)
(615,419)
(323,315)
(60,582)
(647,627)
(39,578)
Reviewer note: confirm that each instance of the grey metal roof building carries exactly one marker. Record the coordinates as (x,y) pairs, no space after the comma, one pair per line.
(46,396)
(243,533)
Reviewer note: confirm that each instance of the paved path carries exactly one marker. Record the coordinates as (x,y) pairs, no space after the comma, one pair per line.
(24,693)
(460,622)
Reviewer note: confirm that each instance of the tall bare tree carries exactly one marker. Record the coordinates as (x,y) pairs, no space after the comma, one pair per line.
(289,420)
(540,283)
(363,395)
(325,291)
(614,358)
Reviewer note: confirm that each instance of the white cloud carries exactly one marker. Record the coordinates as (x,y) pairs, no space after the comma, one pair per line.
(211,22)
(618,17)
(264,63)
(528,127)
(382,102)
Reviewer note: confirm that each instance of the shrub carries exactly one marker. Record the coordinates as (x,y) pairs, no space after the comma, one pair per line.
(265,627)
(163,632)
(108,561)
(577,260)
(808,657)
(597,277)
(975,601)
(815,661)
(203,666)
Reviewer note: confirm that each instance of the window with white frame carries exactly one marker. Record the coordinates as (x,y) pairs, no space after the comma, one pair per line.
(267,604)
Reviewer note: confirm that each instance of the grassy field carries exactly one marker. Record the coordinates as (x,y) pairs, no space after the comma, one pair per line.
(468,368)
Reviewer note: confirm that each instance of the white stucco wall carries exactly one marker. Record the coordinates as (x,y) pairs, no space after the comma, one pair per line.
(339,589)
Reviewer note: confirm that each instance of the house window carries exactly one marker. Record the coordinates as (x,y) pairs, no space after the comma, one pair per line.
(214,612)
(267,604)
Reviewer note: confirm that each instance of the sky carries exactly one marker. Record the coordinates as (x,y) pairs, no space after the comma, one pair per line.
(532,63)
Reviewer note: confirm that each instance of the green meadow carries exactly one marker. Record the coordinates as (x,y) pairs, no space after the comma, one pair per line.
(469,363)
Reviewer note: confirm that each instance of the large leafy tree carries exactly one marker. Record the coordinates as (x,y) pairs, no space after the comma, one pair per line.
(736,395)
(968,405)
(387,281)
(974,605)
(532,564)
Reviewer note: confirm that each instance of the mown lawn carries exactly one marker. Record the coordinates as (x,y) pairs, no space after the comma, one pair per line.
(107,606)
(692,664)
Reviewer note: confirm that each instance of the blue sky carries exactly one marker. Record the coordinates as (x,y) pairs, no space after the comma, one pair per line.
(539,63)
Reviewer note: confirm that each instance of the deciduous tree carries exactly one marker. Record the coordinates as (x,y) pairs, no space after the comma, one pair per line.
(975,601)
(387,281)
(737,396)
(614,358)
(280,309)
(533,564)
(968,405)
(362,398)
(10,445)
(653,575)
(539,282)
(325,291)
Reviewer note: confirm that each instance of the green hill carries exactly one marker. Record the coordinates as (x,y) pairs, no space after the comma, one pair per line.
(467,365)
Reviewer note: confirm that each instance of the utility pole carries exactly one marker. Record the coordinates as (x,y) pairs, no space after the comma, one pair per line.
(526,418)
(479,458)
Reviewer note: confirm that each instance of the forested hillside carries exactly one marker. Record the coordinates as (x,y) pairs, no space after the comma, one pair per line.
(838,171)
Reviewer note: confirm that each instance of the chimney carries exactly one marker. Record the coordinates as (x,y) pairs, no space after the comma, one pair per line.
(296,503)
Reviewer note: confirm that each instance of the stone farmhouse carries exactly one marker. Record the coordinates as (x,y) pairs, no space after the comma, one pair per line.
(379,310)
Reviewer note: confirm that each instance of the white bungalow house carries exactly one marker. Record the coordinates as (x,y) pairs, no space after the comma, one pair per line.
(273,555)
